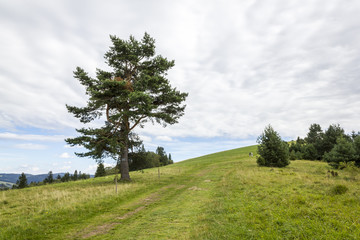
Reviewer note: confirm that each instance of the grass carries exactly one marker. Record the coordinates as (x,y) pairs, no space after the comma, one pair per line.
(218,196)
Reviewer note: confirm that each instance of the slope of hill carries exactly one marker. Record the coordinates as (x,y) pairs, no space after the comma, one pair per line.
(218,196)
(5,185)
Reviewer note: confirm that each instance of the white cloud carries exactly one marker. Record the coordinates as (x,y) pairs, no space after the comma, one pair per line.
(245,64)
(27,168)
(35,169)
(91,169)
(164,138)
(31,137)
(145,138)
(30,146)
(65,155)
(67,167)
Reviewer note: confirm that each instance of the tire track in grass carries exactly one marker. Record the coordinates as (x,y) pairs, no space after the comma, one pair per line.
(105,228)
(166,195)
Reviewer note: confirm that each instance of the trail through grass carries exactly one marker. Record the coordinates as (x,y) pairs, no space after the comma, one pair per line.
(218,196)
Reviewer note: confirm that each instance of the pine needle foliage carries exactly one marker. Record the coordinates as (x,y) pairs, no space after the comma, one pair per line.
(134,92)
(273,152)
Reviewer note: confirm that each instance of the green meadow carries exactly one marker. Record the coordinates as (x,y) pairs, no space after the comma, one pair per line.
(219,196)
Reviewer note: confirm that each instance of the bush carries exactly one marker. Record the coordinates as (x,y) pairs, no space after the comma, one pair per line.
(339,189)
(310,152)
(272,150)
(357,150)
(292,155)
(351,169)
(343,151)
(299,155)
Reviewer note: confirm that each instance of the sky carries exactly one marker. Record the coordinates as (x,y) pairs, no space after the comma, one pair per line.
(244,63)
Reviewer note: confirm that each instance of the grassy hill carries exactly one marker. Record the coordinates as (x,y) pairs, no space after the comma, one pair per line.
(218,196)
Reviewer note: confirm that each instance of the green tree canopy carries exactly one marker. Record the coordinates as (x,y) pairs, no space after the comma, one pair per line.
(75,176)
(22,181)
(330,137)
(273,152)
(49,178)
(310,152)
(100,171)
(314,140)
(357,150)
(66,177)
(315,134)
(343,151)
(134,92)
(163,157)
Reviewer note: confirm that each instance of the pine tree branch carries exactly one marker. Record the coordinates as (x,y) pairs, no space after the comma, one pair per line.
(137,122)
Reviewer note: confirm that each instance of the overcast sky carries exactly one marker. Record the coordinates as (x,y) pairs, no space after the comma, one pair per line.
(245,64)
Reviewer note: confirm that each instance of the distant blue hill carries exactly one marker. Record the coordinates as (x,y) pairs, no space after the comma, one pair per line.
(13,177)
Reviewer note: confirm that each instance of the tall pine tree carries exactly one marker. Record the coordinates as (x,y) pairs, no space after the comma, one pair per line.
(273,152)
(134,92)
(22,181)
(100,171)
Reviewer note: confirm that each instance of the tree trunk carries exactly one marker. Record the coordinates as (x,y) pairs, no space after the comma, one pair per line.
(124,163)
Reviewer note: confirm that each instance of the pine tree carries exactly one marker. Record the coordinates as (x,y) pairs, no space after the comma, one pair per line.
(292,155)
(330,137)
(75,176)
(315,140)
(66,177)
(100,171)
(134,92)
(170,160)
(273,152)
(315,134)
(138,159)
(357,150)
(49,178)
(22,181)
(310,152)
(343,152)
(163,157)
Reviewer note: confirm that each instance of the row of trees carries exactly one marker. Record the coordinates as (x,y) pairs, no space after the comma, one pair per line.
(23,183)
(331,145)
(138,159)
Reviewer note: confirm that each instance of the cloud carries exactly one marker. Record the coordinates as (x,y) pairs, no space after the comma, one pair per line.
(67,167)
(145,138)
(31,146)
(245,64)
(271,64)
(31,137)
(35,169)
(28,168)
(164,138)
(65,155)
(91,168)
